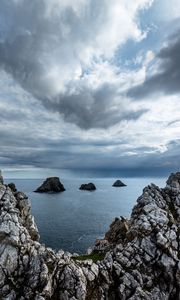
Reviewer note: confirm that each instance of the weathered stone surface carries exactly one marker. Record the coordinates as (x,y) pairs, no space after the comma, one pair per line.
(118,183)
(173,181)
(142,258)
(117,231)
(88,186)
(51,185)
(1,178)
(12,187)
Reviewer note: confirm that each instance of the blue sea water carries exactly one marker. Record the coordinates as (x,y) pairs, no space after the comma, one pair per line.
(74,219)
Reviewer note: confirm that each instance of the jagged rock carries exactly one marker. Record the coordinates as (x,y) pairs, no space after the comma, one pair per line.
(101,245)
(51,184)
(12,186)
(118,183)
(142,258)
(1,178)
(117,231)
(173,181)
(88,187)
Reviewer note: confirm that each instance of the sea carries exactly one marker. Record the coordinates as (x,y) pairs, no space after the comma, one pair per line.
(74,219)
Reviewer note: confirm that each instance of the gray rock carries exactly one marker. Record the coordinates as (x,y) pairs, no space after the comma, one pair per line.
(118,183)
(1,178)
(88,186)
(12,186)
(173,181)
(51,185)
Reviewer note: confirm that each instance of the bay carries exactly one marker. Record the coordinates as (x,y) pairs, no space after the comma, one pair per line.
(74,219)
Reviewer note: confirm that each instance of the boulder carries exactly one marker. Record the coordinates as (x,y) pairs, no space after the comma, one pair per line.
(51,185)
(12,187)
(118,183)
(88,186)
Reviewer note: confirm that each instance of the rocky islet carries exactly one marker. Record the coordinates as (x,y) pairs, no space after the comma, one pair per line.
(51,185)
(118,183)
(88,186)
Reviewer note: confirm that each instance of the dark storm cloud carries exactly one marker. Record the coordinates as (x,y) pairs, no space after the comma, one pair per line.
(31,43)
(142,164)
(94,109)
(60,155)
(167,79)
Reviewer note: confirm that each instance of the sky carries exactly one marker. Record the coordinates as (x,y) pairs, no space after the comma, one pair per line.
(89,88)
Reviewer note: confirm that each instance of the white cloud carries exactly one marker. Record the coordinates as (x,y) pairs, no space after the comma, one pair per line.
(64,38)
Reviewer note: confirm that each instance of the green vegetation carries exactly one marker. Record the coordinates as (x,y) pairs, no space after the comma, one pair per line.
(95,256)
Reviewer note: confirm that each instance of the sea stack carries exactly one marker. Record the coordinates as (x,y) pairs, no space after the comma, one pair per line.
(88,186)
(51,185)
(118,183)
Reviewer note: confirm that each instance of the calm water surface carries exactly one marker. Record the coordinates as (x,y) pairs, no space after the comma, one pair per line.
(72,220)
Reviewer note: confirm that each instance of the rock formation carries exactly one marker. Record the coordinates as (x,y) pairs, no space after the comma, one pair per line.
(1,178)
(88,187)
(141,257)
(51,185)
(118,183)
(12,187)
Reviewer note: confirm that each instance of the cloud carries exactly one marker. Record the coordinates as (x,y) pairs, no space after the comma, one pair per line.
(62,60)
(166,79)
(33,137)
(99,108)
(48,46)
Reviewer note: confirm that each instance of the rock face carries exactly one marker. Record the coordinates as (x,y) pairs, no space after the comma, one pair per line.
(1,178)
(12,187)
(173,182)
(51,185)
(142,259)
(118,230)
(118,183)
(88,187)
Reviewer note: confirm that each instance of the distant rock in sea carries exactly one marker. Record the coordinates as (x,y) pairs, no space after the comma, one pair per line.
(118,183)
(51,185)
(88,186)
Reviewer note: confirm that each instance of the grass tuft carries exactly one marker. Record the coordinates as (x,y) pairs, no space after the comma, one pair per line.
(95,256)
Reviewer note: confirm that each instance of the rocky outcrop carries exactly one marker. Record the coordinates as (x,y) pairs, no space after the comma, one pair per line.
(51,185)
(12,187)
(118,183)
(173,182)
(118,230)
(88,186)
(1,178)
(141,257)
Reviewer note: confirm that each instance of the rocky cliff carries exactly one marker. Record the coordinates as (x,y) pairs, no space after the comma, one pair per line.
(141,256)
